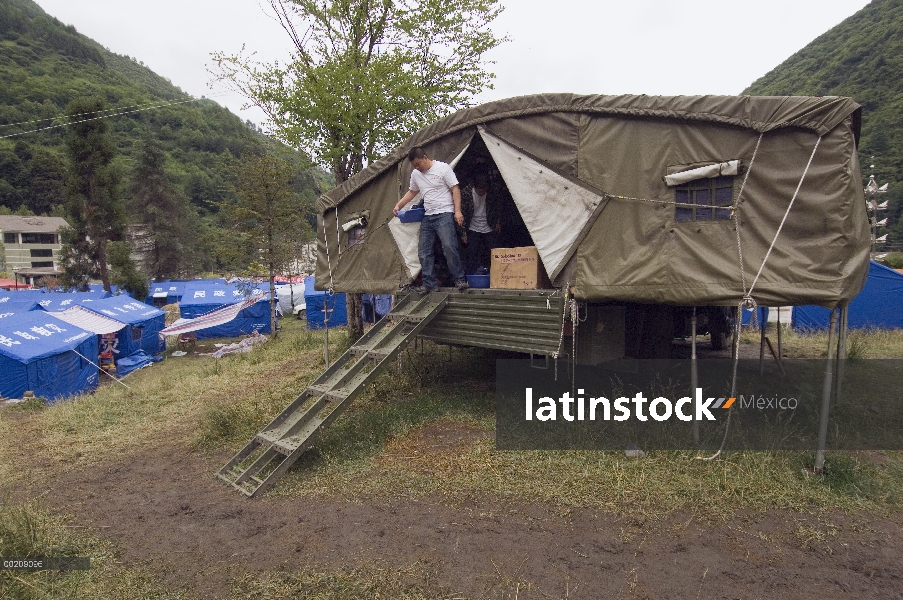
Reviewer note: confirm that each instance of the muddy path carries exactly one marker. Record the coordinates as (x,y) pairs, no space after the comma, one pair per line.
(164,508)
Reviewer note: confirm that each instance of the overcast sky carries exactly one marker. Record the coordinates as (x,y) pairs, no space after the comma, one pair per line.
(656,47)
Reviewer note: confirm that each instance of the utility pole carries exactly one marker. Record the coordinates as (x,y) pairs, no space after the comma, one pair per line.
(872,191)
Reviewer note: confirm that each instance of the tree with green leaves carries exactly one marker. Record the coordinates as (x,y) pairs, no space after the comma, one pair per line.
(162,216)
(266,211)
(94,210)
(123,272)
(364,75)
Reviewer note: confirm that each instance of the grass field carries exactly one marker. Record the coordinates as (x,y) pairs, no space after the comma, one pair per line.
(380,449)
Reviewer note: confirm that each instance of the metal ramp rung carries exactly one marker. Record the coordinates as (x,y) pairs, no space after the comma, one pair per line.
(273,450)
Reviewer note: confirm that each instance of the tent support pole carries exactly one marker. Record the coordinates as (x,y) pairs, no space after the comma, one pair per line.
(780,342)
(694,376)
(819,466)
(326,327)
(763,323)
(841,352)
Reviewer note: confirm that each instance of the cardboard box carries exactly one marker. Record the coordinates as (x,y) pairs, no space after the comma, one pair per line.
(517,269)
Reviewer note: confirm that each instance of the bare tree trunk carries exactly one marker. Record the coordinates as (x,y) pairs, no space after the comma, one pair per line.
(102,264)
(273,300)
(354,305)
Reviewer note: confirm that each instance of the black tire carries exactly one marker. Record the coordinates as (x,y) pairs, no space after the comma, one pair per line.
(302,315)
(719,328)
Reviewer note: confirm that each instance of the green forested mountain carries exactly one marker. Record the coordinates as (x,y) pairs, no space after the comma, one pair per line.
(45,65)
(861,58)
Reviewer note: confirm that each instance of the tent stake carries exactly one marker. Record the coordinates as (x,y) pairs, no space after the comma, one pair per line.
(819,466)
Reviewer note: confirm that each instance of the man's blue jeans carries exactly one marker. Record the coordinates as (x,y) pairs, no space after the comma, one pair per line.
(442,225)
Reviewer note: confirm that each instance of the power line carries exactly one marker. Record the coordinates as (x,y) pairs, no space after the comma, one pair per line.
(77,115)
(124,112)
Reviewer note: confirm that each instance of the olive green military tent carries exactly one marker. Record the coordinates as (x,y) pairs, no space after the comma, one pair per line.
(696,200)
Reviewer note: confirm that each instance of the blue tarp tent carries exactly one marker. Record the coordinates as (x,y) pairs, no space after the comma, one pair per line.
(375,306)
(38,353)
(201,297)
(755,316)
(143,325)
(320,304)
(879,304)
(164,292)
(55,301)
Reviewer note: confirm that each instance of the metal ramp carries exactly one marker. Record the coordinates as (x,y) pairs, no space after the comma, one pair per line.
(272,451)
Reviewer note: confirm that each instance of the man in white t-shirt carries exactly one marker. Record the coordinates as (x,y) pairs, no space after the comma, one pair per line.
(436,181)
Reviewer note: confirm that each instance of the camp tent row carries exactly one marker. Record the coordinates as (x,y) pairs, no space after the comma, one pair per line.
(681,201)
(53,367)
(52,349)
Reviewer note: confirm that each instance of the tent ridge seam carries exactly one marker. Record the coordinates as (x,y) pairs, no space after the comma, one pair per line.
(575,104)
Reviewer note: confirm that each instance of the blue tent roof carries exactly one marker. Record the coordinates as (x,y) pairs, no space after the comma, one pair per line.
(10,308)
(879,304)
(33,335)
(145,321)
(172,289)
(20,295)
(38,353)
(53,302)
(98,287)
(125,309)
(206,295)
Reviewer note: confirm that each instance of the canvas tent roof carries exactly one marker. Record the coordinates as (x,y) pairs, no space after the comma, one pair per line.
(588,177)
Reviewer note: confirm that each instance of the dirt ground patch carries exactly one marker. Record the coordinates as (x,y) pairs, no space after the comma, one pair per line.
(163,507)
(432,448)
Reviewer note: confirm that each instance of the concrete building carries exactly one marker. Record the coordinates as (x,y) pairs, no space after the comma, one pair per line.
(31,246)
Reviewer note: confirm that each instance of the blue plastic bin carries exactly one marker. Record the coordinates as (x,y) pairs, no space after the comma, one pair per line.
(478,281)
(411,215)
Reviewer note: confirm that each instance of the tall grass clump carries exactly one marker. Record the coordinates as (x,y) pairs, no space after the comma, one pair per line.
(30,532)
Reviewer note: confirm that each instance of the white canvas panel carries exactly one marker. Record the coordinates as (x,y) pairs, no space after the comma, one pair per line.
(554,208)
(407,235)
(730,167)
(88,320)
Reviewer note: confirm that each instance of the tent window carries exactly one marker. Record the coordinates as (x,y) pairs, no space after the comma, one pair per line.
(704,200)
(137,332)
(356,235)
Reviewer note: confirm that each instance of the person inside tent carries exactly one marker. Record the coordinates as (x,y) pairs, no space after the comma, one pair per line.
(482,223)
